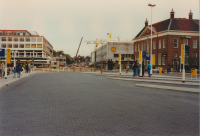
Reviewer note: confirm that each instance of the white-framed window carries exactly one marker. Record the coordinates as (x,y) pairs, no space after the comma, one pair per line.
(194,55)
(10,39)
(147,46)
(194,43)
(159,59)
(142,47)
(33,39)
(154,45)
(163,43)
(160,44)
(185,41)
(3,45)
(28,39)
(163,60)
(21,39)
(3,39)
(175,43)
(15,46)
(39,39)
(9,45)
(16,39)
(138,47)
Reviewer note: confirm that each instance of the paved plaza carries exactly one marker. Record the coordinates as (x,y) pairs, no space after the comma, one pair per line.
(78,104)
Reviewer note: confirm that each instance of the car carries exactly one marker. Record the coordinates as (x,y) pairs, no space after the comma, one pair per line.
(156,70)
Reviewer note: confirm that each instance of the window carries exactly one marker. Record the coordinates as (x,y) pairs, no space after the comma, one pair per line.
(21,46)
(1,34)
(3,39)
(116,55)
(33,39)
(163,43)
(39,46)
(21,39)
(142,47)
(9,39)
(3,45)
(14,33)
(9,45)
(27,45)
(147,46)
(194,55)
(175,43)
(27,39)
(55,63)
(163,60)
(16,39)
(33,45)
(185,41)
(15,46)
(159,44)
(135,48)
(194,43)
(138,47)
(39,39)
(21,34)
(175,55)
(159,59)
(154,44)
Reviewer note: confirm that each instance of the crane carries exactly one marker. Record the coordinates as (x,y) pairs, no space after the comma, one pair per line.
(79,47)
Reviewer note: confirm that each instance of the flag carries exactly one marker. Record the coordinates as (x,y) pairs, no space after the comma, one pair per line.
(110,35)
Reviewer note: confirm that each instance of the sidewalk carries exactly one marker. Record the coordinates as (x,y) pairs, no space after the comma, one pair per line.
(10,79)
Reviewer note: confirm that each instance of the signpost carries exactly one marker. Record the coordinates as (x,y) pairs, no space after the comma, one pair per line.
(140,62)
(120,63)
(153,59)
(183,61)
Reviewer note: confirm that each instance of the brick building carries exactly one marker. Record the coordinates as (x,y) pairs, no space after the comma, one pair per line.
(167,37)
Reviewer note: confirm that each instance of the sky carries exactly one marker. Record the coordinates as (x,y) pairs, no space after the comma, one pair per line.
(64,22)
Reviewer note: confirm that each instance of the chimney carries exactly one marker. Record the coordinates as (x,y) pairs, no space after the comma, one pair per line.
(146,23)
(190,14)
(172,14)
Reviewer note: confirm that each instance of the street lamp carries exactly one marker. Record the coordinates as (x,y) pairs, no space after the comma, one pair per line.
(151,5)
(14,52)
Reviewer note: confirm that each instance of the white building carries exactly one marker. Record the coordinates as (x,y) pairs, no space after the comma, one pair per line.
(26,45)
(111,50)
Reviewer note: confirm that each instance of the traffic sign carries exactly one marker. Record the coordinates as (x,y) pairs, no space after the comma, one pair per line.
(2,52)
(148,57)
(144,54)
(122,57)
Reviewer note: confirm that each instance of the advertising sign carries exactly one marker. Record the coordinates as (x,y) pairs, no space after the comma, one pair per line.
(144,54)
(119,58)
(140,57)
(122,57)
(182,53)
(187,50)
(8,56)
(113,49)
(2,52)
(164,54)
(147,57)
(153,59)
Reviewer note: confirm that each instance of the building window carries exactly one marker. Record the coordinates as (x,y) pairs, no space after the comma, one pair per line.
(9,45)
(16,39)
(39,45)
(194,43)
(147,46)
(39,39)
(175,43)
(116,55)
(15,46)
(154,44)
(163,43)
(3,45)
(185,41)
(21,46)
(27,45)
(138,47)
(142,47)
(159,59)
(33,39)
(21,39)
(1,34)
(135,48)
(27,39)
(163,60)
(175,55)
(3,39)
(33,45)
(14,33)
(194,55)
(160,44)
(10,39)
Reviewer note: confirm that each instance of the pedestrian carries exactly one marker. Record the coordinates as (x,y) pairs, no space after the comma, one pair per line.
(18,69)
(138,69)
(167,69)
(29,68)
(3,70)
(14,72)
(21,69)
(143,68)
(135,68)
(26,67)
(149,69)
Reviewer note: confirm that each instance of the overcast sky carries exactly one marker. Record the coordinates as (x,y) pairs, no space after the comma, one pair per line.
(64,22)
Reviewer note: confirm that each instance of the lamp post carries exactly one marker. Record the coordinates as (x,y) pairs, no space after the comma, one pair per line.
(151,5)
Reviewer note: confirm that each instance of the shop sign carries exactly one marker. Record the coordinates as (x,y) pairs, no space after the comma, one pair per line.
(164,54)
(185,37)
(113,49)
(18,59)
(27,61)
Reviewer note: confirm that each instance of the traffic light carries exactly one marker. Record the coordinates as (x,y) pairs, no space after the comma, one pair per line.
(8,56)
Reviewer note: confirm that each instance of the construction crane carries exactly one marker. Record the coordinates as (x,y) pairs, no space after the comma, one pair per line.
(79,47)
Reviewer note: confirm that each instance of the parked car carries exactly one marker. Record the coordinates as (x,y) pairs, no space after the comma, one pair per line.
(156,70)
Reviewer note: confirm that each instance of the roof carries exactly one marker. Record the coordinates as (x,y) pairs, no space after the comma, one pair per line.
(174,24)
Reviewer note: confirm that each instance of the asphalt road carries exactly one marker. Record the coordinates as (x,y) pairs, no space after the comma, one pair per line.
(75,104)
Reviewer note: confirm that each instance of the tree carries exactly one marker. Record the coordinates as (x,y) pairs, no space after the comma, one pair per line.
(54,53)
(68,58)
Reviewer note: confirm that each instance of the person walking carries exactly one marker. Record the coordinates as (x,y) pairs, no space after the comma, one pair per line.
(14,72)
(18,69)
(149,69)
(29,68)
(135,68)
(3,70)
(138,69)
(26,67)
(167,69)
(143,68)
